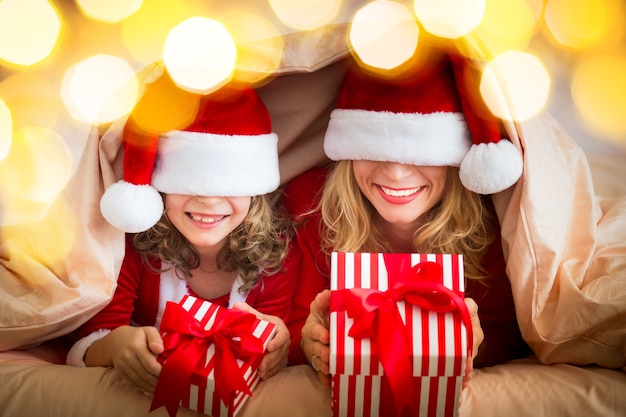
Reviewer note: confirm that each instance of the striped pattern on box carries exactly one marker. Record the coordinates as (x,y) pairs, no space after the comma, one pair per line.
(438,342)
(201,395)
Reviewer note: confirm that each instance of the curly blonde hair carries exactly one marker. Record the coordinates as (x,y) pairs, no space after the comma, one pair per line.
(257,246)
(460,223)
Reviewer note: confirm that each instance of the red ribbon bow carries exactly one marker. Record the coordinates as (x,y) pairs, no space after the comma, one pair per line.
(376,316)
(186,343)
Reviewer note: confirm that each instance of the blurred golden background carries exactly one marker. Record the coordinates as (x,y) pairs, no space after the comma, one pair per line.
(66,65)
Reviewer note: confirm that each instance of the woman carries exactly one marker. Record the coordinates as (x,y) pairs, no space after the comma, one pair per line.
(414,157)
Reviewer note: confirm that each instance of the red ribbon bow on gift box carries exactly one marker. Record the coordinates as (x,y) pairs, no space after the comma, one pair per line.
(186,343)
(376,316)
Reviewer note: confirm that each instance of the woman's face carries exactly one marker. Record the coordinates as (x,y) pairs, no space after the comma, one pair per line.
(400,193)
(206,221)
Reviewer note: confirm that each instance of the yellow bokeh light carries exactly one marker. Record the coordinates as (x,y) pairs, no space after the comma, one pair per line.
(577,24)
(384,34)
(200,54)
(100,89)
(260,46)
(164,106)
(507,25)
(6,130)
(449,18)
(144,32)
(515,85)
(111,11)
(37,167)
(598,90)
(32,98)
(305,14)
(29,30)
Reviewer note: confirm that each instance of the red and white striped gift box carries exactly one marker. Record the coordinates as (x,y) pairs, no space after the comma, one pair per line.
(200,394)
(438,340)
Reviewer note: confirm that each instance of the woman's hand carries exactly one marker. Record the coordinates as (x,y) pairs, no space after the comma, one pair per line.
(316,336)
(479,337)
(277,349)
(132,351)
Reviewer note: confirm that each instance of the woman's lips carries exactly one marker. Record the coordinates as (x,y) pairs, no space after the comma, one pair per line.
(399,195)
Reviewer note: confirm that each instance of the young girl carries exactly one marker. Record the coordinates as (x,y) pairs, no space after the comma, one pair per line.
(195,200)
(397,187)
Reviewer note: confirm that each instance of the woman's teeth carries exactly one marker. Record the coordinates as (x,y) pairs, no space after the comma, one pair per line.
(400,193)
(203,219)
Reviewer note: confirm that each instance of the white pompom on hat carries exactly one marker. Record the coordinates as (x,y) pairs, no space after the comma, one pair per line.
(430,116)
(229,149)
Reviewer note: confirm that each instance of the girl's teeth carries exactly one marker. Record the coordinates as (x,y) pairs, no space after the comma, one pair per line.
(201,219)
(400,193)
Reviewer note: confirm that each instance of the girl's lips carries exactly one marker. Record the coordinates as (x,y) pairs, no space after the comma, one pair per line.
(204,219)
(399,195)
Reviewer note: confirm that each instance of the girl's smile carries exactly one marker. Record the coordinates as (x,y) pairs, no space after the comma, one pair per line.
(206,221)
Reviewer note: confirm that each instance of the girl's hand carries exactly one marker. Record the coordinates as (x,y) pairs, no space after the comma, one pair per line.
(277,349)
(479,337)
(316,336)
(132,351)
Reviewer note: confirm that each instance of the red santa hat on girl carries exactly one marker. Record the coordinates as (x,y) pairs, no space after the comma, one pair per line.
(432,116)
(228,150)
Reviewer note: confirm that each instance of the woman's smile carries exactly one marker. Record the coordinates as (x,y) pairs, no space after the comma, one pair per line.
(399,195)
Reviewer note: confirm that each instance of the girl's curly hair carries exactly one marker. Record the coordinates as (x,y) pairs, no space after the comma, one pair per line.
(257,246)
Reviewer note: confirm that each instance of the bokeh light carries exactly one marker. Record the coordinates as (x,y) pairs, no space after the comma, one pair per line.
(305,14)
(506,25)
(599,91)
(6,130)
(100,89)
(144,33)
(515,85)
(260,46)
(29,30)
(164,106)
(38,165)
(33,99)
(449,18)
(384,34)
(576,23)
(200,54)
(111,11)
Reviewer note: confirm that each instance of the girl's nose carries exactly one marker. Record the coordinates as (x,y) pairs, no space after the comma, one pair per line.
(208,199)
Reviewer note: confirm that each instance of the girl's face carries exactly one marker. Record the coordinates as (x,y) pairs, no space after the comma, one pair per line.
(206,221)
(400,193)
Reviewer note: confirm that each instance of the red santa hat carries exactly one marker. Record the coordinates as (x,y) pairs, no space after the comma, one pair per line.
(433,116)
(228,150)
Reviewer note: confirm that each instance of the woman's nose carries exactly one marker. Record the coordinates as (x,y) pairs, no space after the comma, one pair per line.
(397,171)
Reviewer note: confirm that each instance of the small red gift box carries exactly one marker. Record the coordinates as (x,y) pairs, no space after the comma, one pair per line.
(400,334)
(211,357)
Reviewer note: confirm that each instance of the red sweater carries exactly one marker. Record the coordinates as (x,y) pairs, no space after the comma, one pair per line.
(136,298)
(503,340)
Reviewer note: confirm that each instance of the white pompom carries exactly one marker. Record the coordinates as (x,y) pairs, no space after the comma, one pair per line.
(131,208)
(491,167)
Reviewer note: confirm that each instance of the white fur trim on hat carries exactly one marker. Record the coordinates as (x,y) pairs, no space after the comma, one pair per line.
(194,163)
(491,167)
(76,355)
(131,208)
(434,139)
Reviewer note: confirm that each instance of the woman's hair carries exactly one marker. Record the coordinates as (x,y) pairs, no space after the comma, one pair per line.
(460,223)
(258,245)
